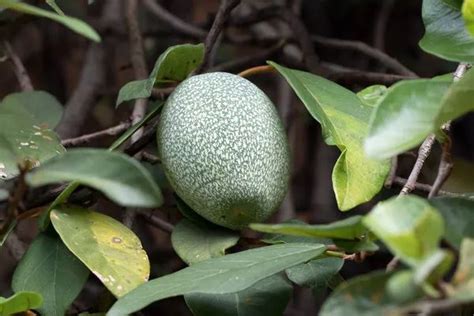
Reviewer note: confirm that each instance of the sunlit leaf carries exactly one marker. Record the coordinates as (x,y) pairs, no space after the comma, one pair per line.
(344,120)
(405,117)
(445,33)
(228,274)
(51,270)
(463,279)
(121,178)
(19,302)
(409,226)
(74,24)
(468,15)
(372,95)
(108,248)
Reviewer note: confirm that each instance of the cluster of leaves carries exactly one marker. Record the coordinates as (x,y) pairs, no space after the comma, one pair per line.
(368,128)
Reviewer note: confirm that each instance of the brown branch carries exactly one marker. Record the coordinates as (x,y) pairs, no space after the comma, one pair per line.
(423,153)
(156,221)
(311,59)
(111,131)
(20,71)
(137,56)
(222,15)
(359,76)
(446,162)
(146,156)
(92,77)
(173,21)
(251,60)
(162,93)
(372,52)
(424,187)
(381,24)
(256,70)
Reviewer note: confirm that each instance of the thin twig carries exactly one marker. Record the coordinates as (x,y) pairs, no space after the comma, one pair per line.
(251,60)
(92,77)
(423,153)
(111,131)
(256,70)
(156,221)
(393,172)
(162,93)
(370,51)
(424,187)
(146,156)
(311,59)
(381,24)
(173,21)
(137,56)
(20,71)
(446,162)
(222,15)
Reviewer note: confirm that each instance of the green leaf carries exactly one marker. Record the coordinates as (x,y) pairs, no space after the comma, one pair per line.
(401,287)
(41,107)
(174,65)
(349,228)
(193,242)
(20,302)
(409,226)
(267,297)
(468,15)
(458,214)
(405,117)
(228,274)
(445,33)
(316,273)
(356,245)
(362,295)
(50,269)
(121,178)
(372,95)
(434,267)
(344,120)
(21,139)
(74,24)
(463,279)
(108,248)
(458,101)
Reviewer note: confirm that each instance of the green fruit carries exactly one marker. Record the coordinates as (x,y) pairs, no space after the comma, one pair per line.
(224,149)
(401,287)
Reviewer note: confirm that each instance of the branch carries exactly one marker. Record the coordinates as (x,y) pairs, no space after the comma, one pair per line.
(359,76)
(137,56)
(173,21)
(20,71)
(311,59)
(156,221)
(92,77)
(381,24)
(111,131)
(362,47)
(256,70)
(446,162)
(251,60)
(423,153)
(424,187)
(222,15)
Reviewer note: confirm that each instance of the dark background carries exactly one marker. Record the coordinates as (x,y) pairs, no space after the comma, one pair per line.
(62,62)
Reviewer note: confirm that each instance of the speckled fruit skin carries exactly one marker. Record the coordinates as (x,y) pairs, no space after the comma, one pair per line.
(224,149)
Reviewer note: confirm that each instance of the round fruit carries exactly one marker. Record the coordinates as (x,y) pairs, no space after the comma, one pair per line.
(224,149)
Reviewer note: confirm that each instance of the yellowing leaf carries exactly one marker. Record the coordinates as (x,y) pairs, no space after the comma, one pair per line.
(109,249)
